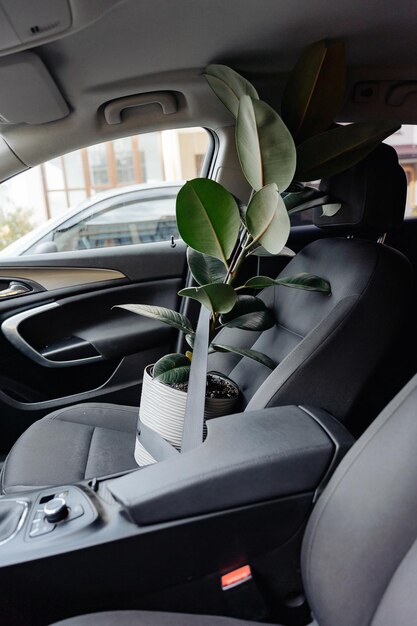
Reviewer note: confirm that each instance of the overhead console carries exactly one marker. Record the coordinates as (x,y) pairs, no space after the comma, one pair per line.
(28,23)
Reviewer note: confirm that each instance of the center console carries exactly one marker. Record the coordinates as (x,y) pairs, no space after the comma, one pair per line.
(243,496)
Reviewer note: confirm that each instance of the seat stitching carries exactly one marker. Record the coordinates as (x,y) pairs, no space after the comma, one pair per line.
(290,331)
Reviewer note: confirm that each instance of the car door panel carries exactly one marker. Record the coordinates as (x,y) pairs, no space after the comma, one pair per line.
(71,345)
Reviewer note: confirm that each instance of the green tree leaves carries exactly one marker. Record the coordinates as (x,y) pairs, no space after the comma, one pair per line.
(166,316)
(204,268)
(315,90)
(267,219)
(338,149)
(229,86)
(208,218)
(304,280)
(264,145)
(216,297)
(172,369)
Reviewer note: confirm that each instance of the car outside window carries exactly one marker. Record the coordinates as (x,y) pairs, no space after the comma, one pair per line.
(110,194)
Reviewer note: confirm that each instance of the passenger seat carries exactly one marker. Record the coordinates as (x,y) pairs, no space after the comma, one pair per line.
(326,346)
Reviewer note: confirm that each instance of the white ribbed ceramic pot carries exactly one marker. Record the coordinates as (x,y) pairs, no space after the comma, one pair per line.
(162,408)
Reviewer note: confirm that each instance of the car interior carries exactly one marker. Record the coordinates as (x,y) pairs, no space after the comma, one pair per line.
(299,508)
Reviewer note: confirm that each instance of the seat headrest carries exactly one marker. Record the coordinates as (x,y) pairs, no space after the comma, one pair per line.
(372,193)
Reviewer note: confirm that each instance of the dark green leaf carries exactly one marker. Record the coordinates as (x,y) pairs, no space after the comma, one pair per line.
(228,86)
(304,280)
(208,218)
(336,150)
(293,200)
(216,297)
(331,209)
(190,340)
(251,354)
(249,313)
(166,316)
(315,90)
(172,369)
(265,147)
(259,282)
(204,268)
(260,251)
(267,219)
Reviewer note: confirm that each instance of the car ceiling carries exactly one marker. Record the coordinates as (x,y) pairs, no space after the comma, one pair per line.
(140,46)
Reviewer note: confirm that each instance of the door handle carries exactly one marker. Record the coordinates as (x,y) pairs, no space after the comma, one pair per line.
(14,289)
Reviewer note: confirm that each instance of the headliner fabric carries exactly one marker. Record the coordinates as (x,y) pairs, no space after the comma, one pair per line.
(372,194)
(72,444)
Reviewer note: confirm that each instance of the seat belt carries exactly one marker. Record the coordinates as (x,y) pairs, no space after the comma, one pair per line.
(196,395)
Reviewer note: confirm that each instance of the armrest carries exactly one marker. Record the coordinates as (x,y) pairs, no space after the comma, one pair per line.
(246,458)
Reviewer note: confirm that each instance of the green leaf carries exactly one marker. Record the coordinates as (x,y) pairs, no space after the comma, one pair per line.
(204,268)
(315,90)
(172,369)
(307,198)
(216,297)
(260,251)
(267,219)
(251,354)
(249,313)
(331,209)
(259,282)
(166,316)
(208,218)
(228,86)
(190,340)
(306,281)
(340,148)
(264,145)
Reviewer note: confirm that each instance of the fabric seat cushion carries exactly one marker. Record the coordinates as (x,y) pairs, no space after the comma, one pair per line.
(145,618)
(72,444)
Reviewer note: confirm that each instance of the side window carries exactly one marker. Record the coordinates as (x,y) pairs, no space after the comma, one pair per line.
(405,143)
(117,193)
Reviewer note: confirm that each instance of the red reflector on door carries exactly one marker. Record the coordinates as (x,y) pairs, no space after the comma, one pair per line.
(236,577)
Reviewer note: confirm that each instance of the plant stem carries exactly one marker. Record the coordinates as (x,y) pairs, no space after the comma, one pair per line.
(234,267)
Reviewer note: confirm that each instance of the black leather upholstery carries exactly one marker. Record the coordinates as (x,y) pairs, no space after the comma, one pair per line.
(325,346)
(372,195)
(359,557)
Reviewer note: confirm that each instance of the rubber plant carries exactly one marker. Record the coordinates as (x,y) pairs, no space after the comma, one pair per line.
(278,155)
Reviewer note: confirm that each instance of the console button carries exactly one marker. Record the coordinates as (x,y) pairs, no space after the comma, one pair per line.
(55,510)
(40,527)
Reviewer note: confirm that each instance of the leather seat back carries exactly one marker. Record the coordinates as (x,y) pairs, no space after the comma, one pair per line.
(326,346)
(360,547)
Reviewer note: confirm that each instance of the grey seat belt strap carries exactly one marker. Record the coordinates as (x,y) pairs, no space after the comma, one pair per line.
(196,396)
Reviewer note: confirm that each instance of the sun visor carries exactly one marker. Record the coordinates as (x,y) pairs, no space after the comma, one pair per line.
(28,93)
